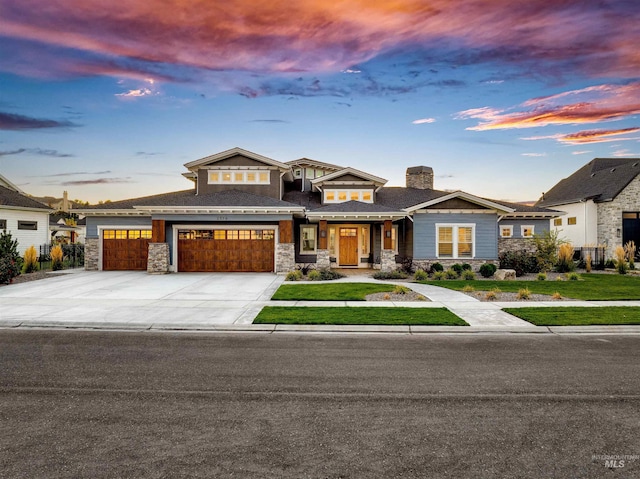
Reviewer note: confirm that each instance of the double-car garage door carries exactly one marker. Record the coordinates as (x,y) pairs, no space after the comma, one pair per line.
(218,250)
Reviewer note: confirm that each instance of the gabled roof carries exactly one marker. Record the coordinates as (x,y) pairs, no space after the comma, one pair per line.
(401,198)
(465,196)
(223,155)
(355,210)
(12,199)
(602,179)
(349,171)
(7,184)
(314,163)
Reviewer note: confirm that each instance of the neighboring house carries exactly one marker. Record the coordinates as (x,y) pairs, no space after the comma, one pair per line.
(602,204)
(248,212)
(65,231)
(25,218)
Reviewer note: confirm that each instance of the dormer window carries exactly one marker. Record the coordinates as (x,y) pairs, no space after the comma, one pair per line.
(340,196)
(239,177)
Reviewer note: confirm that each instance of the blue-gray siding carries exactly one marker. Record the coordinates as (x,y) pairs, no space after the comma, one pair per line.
(128,221)
(424,233)
(539,225)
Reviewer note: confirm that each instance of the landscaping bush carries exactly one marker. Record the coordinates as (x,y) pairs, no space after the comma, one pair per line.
(487,270)
(542,277)
(451,274)
(466,267)
(293,275)
(547,245)
(556,295)
(401,290)
(610,264)
(327,274)
(520,261)
(435,267)
(630,251)
(457,268)
(491,296)
(524,293)
(390,275)
(587,264)
(572,276)
(406,265)
(10,260)
(313,275)
(438,275)
(565,258)
(56,258)
(621,264)
(30,260)
(468,275)
(421,275)
(468,288)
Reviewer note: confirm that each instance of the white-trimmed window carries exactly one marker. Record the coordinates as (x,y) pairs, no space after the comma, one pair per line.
(506,231)
(297,173)
(364,240)
(394,237)
(308,235)
(455,241)
(527,231)
(365,196)
(27,225)
(247,177)
(310,173)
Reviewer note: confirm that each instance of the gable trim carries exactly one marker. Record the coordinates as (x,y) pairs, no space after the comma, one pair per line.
(465,196)
(352,171)
(223,155)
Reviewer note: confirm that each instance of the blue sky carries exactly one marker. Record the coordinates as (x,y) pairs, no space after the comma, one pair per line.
(109,102)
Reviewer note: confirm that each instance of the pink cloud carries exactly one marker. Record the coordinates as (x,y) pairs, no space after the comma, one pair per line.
(589,136)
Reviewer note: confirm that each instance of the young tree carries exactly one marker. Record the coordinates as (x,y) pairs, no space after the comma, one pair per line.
(547,245)
(10,260)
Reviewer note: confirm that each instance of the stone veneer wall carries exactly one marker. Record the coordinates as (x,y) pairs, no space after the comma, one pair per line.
(323,261)
(516,244)
(158,258)
(610,215)
(285,257)
(388,260)
(91,254)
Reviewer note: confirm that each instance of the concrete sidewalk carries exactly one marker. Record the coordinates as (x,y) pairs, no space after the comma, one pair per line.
(230,302)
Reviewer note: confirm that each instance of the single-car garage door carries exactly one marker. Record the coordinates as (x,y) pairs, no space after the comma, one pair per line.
(125,249)
(226,250)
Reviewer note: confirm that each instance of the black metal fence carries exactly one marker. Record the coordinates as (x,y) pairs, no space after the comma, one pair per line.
(73,255)
(595,252)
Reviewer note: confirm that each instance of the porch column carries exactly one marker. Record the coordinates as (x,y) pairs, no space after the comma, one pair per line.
(158,255)
(387,255)
(322,260)
(285,247)
(91,254)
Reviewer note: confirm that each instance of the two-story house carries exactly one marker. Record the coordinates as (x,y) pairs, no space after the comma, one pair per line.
(247,212)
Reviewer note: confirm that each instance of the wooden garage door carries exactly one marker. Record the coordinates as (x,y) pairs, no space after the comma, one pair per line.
(226,250)
(125,249)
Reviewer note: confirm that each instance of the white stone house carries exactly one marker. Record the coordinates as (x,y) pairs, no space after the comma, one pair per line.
(25,218)
(602,204)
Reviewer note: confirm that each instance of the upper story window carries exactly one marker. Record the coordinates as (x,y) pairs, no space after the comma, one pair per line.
(27,225)
(247,177)
(572,220)
(3,224)
(297,173)
(365,196)
(557,222)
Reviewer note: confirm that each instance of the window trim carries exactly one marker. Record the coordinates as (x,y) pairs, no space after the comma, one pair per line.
(531,227)
(557,222)
(510,228)
(456,252)
(348,192)
(315,239)
(232,180)
(28,225)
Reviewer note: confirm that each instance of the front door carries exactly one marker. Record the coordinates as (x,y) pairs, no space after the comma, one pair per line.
(348,246)
(631,229)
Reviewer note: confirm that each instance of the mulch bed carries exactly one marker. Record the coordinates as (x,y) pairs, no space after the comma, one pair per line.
(410,296)
(25,278)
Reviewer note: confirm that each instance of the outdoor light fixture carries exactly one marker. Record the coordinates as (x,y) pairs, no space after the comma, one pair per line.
(323,233)
(618,232)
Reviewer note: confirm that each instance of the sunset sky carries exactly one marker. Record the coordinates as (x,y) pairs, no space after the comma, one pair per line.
(108,100)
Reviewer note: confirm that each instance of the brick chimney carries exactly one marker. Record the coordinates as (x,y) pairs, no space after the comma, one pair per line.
(420,177)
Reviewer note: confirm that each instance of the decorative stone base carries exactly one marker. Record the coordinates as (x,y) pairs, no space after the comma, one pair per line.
(388,260)
(323,261)
(91,254)
(158,258)
(285,257)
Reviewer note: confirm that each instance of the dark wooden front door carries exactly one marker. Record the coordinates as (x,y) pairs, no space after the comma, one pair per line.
(226,250)
(348,246)
(125,250)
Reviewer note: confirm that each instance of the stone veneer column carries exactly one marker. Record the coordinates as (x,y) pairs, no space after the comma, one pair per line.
(388,260)
(91,254)
(158,258)
(322,260)
(285,257)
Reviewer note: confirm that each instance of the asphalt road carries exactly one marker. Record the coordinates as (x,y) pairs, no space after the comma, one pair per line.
(112,405)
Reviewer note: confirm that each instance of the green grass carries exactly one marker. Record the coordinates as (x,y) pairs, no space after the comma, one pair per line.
(591,287)
(570,316)
(364,315)
(329,291)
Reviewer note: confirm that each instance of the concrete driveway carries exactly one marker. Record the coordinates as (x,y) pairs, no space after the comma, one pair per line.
(131,299)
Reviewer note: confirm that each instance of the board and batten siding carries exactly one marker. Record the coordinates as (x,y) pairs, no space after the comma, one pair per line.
(425,237)
(27,238)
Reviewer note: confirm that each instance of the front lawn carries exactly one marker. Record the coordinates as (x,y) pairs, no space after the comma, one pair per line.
(592,286)
(363,316)
(329,291)
(558,316)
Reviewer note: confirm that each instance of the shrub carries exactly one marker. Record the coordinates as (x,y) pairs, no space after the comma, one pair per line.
(305,268)
(451,274)
(559,278)
(390,275)
(438,275)
(30,260)
(406,264)
(621,264)
(401,290)
(468,275)
(468,288)
(565,258)
(327,274)
(547,245)
(524,293)
(630,250)
(435,267)
(466,267)
(610,264)
(457,268)
(520,261)
(495,289)
(313,275)
(491,296)
(556,295)
(386,297)
(10,260)
(293,275)
(542,277)
(572,276)
(488,269)
(587,264)
(421,275)
(56,258)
